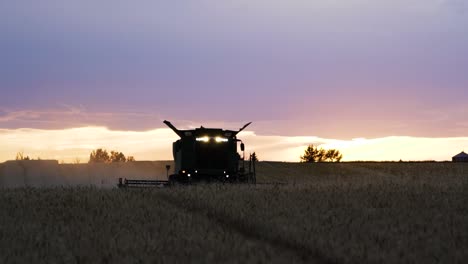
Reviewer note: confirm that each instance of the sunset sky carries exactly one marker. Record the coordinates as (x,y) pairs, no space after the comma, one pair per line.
(379,80)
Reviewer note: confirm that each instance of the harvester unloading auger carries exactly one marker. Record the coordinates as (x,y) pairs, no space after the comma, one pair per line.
(205,154)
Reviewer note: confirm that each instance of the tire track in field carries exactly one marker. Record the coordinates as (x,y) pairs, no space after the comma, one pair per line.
(309,255)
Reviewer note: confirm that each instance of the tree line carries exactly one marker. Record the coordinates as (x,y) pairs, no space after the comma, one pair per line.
(102,156)
(97,156)
(314,154)
(311,154)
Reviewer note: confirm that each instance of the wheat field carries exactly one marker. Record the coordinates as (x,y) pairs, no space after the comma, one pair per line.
(321,213)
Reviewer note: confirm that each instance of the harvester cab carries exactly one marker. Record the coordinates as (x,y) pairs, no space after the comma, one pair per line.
(209,154)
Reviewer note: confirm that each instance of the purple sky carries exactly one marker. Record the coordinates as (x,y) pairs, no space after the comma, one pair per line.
(336,69)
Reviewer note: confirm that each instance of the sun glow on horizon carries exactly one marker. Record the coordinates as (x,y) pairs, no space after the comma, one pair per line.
(69,145)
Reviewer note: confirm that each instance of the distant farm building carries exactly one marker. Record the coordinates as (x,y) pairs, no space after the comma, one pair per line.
(462,157)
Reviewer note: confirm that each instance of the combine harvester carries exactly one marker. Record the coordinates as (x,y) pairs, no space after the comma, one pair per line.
(204,155)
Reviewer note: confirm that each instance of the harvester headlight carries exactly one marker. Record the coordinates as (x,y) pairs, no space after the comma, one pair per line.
(204,139)
(188,175)
(183,171)
(227,176)
(221,139)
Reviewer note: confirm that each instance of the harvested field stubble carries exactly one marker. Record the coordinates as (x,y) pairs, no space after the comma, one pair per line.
(364,213)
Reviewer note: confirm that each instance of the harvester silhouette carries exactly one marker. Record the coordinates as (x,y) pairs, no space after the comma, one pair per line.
(205,154)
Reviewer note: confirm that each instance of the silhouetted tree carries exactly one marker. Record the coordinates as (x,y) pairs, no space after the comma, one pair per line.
(117,157)
(314,154)
(254,157)
(321,155)
(99,156)
(310,154)
(20,156)
(333,155)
